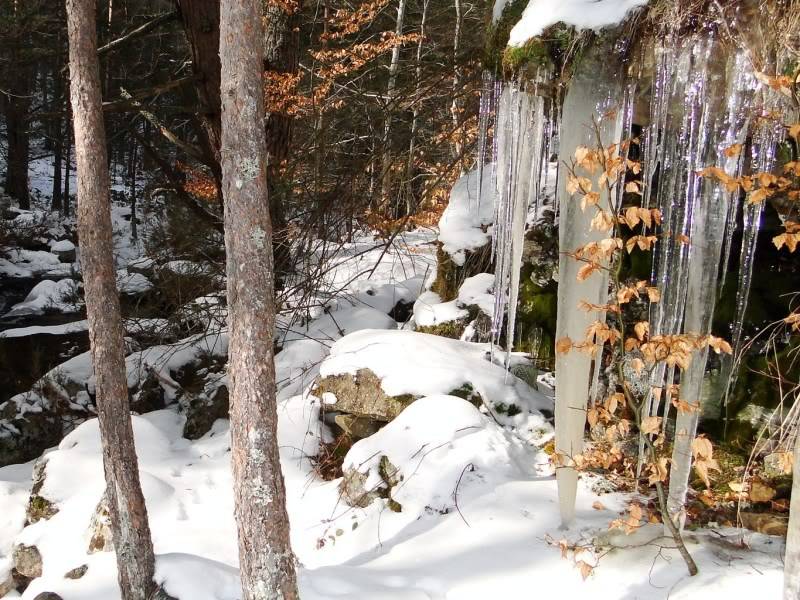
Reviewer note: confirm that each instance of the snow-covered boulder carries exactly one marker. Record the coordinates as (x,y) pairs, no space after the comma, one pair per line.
(64,250)
(48,296)
(416,461)
(378,374)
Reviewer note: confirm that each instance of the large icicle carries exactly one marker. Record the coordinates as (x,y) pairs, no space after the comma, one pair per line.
(596,89)
(520,147)
(708,224)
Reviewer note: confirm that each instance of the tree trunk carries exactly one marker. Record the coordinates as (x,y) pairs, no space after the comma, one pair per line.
(394,67)
(16,104)
(410,204)
(791,568)
(201,23)
(281,55)
(455,106)
(265,556)
(131,531)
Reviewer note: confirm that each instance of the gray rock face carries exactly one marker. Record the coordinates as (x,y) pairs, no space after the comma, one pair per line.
(39,508)
(7,584)
(24,435)
(362,395)
(202,410)
(27,561)
(355,493)
(100,537)
(77,572)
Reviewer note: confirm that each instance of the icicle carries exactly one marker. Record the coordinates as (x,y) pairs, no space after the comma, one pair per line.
(596,89)
(709,222)
(484,114)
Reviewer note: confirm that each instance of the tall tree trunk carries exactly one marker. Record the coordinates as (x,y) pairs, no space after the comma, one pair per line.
(201,24)
(415,118)
(455,106)
(394,67)
(16,104)
(131,531)
(265,556)
(791,563)
(56,130)
(281,56)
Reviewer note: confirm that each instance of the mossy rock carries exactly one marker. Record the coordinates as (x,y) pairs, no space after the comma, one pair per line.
(450,276)
(363,396)
(353,486)
(39,508)
(203,410)
(449,329)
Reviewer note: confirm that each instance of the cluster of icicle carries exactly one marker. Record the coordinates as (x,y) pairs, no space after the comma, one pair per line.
(520,145)
(705,99)
(704,103)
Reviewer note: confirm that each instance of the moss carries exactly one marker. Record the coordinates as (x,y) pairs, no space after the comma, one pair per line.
(448,329)
(509,410)
(536,317)
(468,393)
(450,276)
(497,34)
(40,509)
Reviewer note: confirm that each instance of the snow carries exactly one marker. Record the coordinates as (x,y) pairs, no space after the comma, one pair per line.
(477,291)
(464,225)
(408,362)
(582,14)
(47,295)
(430,310)
(66,328)
(62,246)
(132,283)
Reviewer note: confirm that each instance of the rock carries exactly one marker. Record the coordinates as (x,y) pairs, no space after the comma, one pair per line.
(64,250)
(77,572)
(7,584)
(27,561)
(100,537)
(353,486)
(24,436)
(48,596)
(362,395)
(39,508)
(356,427)
(202,410)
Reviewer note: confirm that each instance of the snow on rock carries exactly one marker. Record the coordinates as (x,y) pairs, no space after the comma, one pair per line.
(61,246)
(429,310)
(420,364)
(66,328)
(477,291)
(21,263)
(464,225)
(582,14)
(48,296)
(428,447)
(132,284)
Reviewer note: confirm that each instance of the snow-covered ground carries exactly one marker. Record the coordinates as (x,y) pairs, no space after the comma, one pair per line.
(479,515)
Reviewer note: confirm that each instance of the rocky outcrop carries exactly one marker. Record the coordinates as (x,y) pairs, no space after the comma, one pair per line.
(354,491)
(39,508)
(100,536)
(27,561)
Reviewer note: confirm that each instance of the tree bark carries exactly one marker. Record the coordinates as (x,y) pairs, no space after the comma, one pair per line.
(201,23)
(265,556)
(131,531)
(791,563)
(16,105)
(394,68)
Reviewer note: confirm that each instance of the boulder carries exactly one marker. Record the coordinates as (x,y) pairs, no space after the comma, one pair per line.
(39,508)
(64,250)
(27,561)
(77,572)
(48,596)
(100,537)
(361,395)
(354,491)
(203,409)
